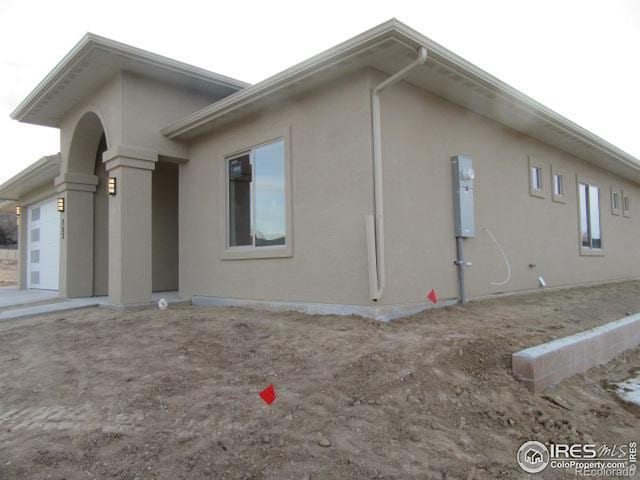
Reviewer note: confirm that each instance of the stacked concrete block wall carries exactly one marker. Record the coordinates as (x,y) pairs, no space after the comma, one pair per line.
(544,365)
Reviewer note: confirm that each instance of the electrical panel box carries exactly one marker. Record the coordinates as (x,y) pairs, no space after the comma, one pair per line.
(463,176)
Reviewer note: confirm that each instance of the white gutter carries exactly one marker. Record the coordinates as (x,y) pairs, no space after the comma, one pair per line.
(375,222)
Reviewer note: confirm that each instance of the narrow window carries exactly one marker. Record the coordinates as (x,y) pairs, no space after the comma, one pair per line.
(616,201)
(240,180)
(626,205)
(558,184)
(270,215)
(257,211)
(536,178)
(590,233)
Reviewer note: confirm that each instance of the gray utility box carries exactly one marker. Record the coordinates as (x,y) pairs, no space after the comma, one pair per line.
(463,176)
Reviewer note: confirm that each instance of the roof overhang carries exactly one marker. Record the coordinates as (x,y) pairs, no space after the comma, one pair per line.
(36,175)
(93,61)
(388,48)
(7,206)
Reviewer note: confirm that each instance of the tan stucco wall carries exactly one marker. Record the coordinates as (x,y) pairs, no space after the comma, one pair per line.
(420,134)
(107,104)
(165,227)
(331,193)
(149,105)
(132,110)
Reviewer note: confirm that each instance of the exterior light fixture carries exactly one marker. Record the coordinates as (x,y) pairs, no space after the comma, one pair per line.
(17,211)
(112,186)
(61,204)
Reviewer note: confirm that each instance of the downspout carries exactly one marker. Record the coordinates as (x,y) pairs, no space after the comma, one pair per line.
(374,223)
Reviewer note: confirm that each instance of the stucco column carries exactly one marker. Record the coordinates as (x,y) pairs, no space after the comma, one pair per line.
(130,224)
(76,234)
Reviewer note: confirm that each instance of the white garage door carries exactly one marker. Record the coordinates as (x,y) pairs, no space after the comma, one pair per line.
(43,252)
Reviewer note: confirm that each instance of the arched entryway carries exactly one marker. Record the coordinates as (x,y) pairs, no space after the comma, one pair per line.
(84,256)
(124,244)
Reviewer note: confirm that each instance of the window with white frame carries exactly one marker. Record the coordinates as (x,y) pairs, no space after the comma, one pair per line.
(558,184)
(626,204)
(536,178)
(615,202)
(256,197)
(590,231)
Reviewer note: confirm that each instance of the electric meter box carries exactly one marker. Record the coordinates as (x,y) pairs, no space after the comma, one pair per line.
(463,176)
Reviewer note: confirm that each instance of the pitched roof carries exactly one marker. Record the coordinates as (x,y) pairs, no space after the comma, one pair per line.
(96,59)
(390,46)
(35,175)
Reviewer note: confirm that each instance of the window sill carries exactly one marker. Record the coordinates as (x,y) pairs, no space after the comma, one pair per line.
(626,214)
(559,199)
(616,212)
(537,193)
(256,253)
(591,252)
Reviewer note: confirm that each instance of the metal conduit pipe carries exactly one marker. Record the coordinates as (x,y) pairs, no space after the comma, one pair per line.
(374,223)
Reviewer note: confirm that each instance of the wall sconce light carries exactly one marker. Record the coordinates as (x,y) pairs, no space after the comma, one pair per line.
(112,186)
(17,211)
(61,204)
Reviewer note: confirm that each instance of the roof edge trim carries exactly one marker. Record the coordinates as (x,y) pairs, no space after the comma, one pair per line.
(90,41)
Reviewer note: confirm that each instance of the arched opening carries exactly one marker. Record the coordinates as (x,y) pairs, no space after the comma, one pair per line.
(88,144)
(86,138)
(101,224)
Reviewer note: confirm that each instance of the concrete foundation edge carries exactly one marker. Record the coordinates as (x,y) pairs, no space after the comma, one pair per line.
(383,313)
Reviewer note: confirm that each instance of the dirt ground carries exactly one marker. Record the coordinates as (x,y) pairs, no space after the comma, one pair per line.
(173,394)
(8,273)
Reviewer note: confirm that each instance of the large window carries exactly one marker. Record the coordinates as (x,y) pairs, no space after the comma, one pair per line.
(257,204)
(590,232)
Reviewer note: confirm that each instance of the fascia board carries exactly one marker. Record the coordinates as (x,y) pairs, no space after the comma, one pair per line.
(45,169)
(401,33)
(91,41)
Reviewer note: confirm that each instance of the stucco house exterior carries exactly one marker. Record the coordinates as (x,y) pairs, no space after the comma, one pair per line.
(330,187)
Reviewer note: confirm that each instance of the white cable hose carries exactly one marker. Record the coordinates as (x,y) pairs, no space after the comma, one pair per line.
(506,260)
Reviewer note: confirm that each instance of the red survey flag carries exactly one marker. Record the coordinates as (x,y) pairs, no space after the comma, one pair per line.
(268,394)
(432,296)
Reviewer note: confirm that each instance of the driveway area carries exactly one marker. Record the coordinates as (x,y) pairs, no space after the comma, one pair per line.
(13,297)
(173,394)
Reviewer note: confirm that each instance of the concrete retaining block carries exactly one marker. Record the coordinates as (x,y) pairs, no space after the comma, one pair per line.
(547,364)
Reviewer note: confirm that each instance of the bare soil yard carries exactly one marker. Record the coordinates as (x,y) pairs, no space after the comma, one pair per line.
(173,394)
(8,273)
